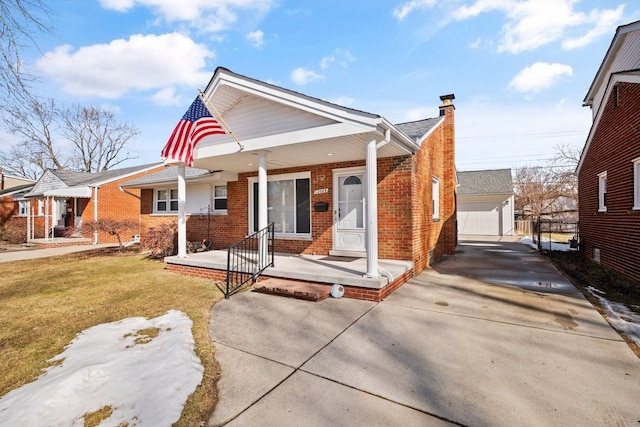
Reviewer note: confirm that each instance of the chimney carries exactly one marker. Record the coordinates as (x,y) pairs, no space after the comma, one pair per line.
(447,101)
(449,183)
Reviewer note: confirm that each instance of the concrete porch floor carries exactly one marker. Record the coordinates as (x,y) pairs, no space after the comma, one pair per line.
(312,268)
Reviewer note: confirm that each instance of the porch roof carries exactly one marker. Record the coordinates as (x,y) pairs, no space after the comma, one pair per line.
(68,184)
(169,176)
(292,129)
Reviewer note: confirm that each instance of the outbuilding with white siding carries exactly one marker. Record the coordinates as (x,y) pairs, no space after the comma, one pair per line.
(485,203)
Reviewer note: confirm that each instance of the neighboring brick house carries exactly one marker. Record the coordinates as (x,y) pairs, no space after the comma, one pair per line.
(61,199)
(609,168)
(486,203)
(319,160)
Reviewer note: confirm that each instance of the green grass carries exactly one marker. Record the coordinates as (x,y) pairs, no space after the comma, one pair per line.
(46,302)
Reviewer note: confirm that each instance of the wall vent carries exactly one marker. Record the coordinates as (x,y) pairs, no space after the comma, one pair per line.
(596,255)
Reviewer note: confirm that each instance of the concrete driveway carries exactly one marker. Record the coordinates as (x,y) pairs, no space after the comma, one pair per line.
(493,336)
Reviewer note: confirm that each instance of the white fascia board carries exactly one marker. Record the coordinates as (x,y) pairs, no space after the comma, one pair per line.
(221,176)
(614,48)
(288,138)
(289,98)
(613,80)
(79,192)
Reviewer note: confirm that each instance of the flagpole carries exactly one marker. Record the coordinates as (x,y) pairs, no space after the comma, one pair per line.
(207,104)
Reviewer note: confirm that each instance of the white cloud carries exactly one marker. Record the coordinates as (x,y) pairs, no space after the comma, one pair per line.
(535,23)
(342,57)
(401,11)
(205,15)
(302,76)
(256,38)
(167,97)
(143,62)
(538,76)
(606,22)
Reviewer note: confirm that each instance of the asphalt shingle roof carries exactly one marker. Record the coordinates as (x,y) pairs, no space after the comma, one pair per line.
(170,173)
(497,181)
(417,129)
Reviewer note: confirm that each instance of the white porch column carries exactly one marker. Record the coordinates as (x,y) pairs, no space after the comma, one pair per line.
(29,237)
(182,213)
(263,212)
(371,203)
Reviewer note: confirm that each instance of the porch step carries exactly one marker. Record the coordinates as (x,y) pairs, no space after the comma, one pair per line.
(293,289)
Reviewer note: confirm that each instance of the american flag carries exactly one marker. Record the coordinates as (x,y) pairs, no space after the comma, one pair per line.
(196,123)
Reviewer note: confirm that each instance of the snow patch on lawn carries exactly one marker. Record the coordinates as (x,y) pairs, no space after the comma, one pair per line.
(144,369)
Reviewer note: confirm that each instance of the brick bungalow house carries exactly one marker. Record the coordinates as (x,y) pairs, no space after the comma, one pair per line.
(338,182)
(62,198)
(609,168)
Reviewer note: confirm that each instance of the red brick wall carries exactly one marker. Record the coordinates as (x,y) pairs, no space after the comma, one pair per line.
(116,205)
(615,143)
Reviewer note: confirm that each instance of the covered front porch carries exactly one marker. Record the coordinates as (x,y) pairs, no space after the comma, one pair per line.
(350,272)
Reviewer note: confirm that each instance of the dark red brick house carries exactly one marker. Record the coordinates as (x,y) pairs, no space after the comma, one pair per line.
(609,168)
(339,182)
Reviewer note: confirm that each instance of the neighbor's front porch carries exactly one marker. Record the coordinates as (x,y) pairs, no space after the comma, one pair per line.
(323,270)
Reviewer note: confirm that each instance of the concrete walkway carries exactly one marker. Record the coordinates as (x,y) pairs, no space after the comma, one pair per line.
(24,254)
(493,336)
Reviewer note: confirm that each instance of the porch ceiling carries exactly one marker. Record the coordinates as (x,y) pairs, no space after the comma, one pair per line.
(332,150)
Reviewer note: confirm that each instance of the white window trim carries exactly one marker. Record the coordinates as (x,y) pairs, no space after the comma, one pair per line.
(24,203)
(282,177)
(40,208)
(435,189)
(214,198)
(168,200)
(636,184)
(602,177)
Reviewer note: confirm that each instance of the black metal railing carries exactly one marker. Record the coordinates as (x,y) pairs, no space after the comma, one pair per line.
(248,258)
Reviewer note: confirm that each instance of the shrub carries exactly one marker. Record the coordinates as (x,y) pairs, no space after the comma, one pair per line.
(160,241)
(14,233)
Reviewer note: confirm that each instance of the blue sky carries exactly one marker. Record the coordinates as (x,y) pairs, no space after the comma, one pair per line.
(519,69)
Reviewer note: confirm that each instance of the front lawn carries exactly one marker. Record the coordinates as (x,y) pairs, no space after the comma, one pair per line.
(44,303)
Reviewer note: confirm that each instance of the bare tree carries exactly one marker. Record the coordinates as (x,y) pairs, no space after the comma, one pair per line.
(20,21)
(99,140)
(567,155)
(538,188)
(35,122)
(84,138)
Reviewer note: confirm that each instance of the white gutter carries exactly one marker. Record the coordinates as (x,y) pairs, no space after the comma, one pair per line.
(95,213)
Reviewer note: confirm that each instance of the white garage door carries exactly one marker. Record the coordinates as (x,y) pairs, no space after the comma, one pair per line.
(479,218)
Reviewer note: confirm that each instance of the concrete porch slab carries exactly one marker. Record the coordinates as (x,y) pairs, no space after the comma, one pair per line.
(312,268)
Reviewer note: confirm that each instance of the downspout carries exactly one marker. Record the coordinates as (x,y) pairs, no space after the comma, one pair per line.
(95,213)
(130,193)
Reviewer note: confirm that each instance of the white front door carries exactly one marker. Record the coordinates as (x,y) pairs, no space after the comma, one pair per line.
(349,223)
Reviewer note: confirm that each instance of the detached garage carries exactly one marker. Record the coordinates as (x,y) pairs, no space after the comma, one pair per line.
(485,203)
